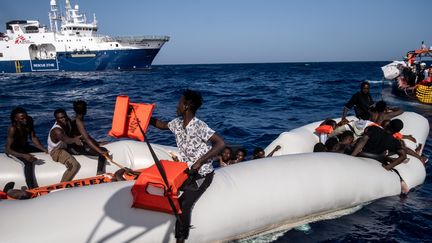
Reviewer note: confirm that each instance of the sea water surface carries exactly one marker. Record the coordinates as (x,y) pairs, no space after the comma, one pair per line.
(248,105)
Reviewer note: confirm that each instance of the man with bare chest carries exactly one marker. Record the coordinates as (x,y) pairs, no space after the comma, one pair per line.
(19,132)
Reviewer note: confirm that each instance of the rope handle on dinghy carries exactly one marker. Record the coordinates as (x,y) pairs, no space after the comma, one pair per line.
(161,169)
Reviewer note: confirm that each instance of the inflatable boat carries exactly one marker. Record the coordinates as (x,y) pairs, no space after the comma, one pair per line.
(291,188)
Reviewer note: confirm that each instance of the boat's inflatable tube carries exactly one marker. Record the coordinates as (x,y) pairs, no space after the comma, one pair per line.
(303,139)
(393,70)
(244,199)
(132,154)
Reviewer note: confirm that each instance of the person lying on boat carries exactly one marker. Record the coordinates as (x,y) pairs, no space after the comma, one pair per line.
(399,136)
(90,145)
(361,101)
(259,153)
(377,142)
(197,144)
(58,138)
(355,126)
(18,134)
(325,129)
(381,112)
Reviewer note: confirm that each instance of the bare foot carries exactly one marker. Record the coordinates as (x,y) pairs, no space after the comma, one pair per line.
(419,148)
(424,159)
(404,187)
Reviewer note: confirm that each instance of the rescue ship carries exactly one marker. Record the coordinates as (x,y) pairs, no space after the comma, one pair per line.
(71,43)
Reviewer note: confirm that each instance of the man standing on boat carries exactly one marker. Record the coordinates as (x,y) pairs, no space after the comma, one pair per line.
(19,132)
(193,138)
(58,139)
(361,101)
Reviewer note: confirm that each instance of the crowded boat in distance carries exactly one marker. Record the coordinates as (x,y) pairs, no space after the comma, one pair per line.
(412,77)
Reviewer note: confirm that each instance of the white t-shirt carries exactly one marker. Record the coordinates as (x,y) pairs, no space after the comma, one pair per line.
(193,141)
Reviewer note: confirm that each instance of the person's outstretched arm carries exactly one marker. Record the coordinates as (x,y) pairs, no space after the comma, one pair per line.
(360,145)
(218,145)
(159,124)
(88,139)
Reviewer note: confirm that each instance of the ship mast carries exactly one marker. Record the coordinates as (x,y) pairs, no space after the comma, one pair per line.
(54,16)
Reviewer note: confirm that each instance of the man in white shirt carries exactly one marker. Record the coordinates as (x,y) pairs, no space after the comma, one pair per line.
(197,144)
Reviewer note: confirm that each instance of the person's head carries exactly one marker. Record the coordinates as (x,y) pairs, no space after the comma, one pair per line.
(380,106)
(395,126)
(330,122)
(19,116)
(347,137)
(258,153)
(364,87)
(226,154)
(385,123)
(241,155)
(80,107)
(189,101)
(61,117)
(332,144)
(422,65)
(365,116)
(320,147)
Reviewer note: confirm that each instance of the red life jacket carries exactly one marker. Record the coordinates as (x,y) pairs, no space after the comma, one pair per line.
(3,195)
(129,117)
(326,129)
(150,192)
(398,135)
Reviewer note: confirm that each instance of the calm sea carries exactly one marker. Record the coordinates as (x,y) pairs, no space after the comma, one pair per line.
(249,105)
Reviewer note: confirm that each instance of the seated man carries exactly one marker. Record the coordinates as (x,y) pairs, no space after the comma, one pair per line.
(90,146)
(20,130)
(361,101)
(58,139)
(377,142)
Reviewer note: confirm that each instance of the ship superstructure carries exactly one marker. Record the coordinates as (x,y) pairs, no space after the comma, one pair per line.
(71,43)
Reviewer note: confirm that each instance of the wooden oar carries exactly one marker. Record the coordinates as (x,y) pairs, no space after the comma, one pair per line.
(112,161)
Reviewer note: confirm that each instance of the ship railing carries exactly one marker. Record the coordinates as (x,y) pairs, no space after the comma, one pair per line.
(132,39)
(137,39)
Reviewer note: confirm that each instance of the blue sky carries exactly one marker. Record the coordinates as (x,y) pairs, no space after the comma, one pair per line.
(247,31)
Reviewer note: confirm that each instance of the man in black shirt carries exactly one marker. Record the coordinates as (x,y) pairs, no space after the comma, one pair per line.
(361,101)
(377,141)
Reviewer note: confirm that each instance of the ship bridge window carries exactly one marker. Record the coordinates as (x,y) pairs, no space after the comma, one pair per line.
(31,29)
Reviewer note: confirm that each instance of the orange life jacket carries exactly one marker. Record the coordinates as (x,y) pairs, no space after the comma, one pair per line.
(326,129)
(398,135)
(150,192)
(129,117)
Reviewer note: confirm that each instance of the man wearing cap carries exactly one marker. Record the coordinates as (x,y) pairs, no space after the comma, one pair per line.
(378,142)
